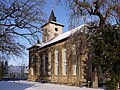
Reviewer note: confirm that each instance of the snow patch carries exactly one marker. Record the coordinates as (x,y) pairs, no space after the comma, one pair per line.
(26,85)
(63,35)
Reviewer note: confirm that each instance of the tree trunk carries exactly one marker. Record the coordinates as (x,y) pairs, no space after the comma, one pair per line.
(95,77)
(117,85)
(102,22)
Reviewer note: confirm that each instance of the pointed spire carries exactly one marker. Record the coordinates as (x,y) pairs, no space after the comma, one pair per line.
(38,41)
(52,16)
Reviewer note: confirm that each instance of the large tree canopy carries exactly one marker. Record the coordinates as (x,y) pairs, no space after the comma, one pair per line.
(107,52)
(19,19)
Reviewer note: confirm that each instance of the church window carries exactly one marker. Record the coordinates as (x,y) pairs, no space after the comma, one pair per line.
(56,62)
(44,65)
(56,29)
(49,63)
(74,50)
(46,38)
(64,61)
(31,71)
(32,60)
(46,34)
(74,69)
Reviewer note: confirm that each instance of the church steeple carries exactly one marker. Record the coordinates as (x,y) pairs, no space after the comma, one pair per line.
(51,29)
(52,16)
(38,41)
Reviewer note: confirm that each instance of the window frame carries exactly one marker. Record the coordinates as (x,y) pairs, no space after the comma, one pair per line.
(64,61)
(56,66)
(49,63)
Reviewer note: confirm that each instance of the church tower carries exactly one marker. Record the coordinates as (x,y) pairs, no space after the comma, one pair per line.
(51,29)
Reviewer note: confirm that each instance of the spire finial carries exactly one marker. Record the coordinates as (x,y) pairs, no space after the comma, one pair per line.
(52,7)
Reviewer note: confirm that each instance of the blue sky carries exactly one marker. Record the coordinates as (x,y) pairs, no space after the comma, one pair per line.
(61,13)
(61,16)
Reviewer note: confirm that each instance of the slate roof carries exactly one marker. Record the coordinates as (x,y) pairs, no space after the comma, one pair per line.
(52,16)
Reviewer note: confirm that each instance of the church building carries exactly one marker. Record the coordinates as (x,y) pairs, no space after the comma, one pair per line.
(60,58)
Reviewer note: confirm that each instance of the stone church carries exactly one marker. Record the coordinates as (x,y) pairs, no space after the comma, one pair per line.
(60,58)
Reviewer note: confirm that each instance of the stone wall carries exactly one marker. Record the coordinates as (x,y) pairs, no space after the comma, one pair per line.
(80,58)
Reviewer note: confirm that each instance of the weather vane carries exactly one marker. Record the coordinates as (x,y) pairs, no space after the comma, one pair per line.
(52,7)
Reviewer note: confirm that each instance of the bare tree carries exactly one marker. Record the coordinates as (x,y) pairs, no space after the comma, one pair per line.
(19,19)
(103,10)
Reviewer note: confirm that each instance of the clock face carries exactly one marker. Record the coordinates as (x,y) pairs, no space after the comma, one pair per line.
(56,29)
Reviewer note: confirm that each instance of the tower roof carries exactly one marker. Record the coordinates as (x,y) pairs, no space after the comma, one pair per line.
(38,41)
(52,19)
(52,16)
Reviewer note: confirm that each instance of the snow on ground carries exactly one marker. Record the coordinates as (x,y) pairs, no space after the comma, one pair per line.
(25,85)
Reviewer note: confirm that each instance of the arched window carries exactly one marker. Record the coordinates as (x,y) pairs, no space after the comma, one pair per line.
(56,62)
(64,61)
(46,38)
(74,50)
(31,69)
(49,63)
(74,66)
(44,65)
(45,35)
(31,60)
(74,69)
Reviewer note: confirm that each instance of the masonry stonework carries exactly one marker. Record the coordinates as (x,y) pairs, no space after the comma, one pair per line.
(73,66)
